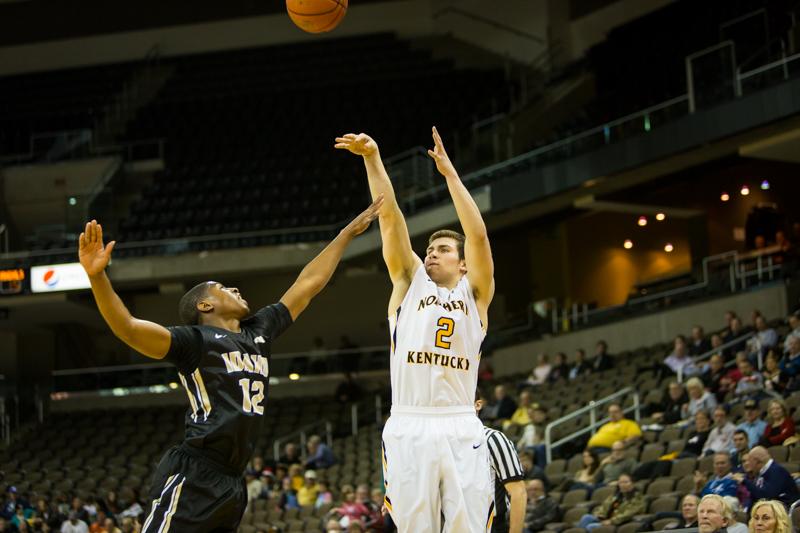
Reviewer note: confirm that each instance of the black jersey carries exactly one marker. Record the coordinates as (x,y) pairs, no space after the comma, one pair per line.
(226,376)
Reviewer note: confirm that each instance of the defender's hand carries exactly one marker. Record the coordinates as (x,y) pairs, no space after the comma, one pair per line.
(439,155)
(94,257)
(361,144)
(360,224)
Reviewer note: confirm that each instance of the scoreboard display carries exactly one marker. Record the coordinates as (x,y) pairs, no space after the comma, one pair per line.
(47,278)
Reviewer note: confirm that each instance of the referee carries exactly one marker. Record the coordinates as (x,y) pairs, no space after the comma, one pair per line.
(510,496)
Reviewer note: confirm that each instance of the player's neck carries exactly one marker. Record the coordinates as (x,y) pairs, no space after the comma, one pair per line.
(231,324)
(449,284)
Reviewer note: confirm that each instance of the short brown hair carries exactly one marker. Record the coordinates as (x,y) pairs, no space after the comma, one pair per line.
(450,234)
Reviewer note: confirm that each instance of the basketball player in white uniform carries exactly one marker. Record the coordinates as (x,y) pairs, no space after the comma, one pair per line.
(435,456)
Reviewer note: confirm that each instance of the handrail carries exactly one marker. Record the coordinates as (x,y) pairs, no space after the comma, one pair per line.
(590,407)
(276,446)
(769,66)
(709,353)
(499,25)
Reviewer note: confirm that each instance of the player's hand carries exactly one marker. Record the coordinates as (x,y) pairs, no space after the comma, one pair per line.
(94,257)
(361,144)
(360,224)
(439,155)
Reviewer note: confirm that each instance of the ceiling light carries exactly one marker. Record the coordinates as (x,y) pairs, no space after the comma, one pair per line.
(668,248)
(765,185)
(642,220)
(660,216)
(628,244)
(724,197)
(294,376)
(745,190)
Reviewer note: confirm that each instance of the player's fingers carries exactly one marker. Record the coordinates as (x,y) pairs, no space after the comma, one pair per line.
(93,231)
(81,240)
(100,233)
(110,247)
(341,139)
(86,229)
(433,154)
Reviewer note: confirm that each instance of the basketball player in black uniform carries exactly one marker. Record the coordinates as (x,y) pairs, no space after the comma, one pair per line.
(222,357)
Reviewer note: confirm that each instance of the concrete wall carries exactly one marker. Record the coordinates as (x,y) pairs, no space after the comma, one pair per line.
(644,330)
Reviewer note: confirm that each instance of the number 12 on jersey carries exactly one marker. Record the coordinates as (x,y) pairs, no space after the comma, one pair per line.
(252,404)
(445,331)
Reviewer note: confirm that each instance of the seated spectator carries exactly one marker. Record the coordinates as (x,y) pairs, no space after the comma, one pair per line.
(307,494)
(713,514)
(530,469)
(766,479)
(291,454)
(532,439)
(735,331)
(350,509)
(741,445)
(790,364)
(74,525)
(374,516)
(720,438)
(769,516)
(580,367)
(320,456)
(617,429)
(780,425)
(333,526)
(541,509)
(764,339)
(540,372)
(377,521)
(324,496)
(615,464)
(586,477)
(751,383)
(617,509)
(686,518)
(602,360)
(774,380)
(699,399)
(698,344)
(669,410)
(716,343)
(348,391)
(680,360)
(502,408)
(722,483)
(288,498)
(794,328)
(714,376)
(560,369)
(734,526)
(520,417)
(692,448)
(296,476)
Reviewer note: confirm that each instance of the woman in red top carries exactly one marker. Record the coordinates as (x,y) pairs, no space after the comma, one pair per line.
(780,426)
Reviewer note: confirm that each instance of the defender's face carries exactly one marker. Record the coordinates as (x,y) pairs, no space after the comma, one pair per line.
(227,300)
(441,260)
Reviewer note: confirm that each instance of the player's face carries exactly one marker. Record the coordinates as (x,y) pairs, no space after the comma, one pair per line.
(228,300)
(442,263)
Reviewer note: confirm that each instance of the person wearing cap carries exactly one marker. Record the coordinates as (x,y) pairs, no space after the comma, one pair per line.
(752,425)
(307,494)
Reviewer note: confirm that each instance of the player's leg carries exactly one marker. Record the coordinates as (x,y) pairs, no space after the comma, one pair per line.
(411,474)
(467,491)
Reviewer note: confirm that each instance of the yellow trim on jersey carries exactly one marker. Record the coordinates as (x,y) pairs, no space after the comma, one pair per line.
(491,519)
(176,495)
(157,501)
(388,504)
(204,395)
(189,393)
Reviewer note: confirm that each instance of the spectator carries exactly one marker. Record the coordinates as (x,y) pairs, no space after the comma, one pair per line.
(769,516)
(774,380)
(714,377)
(764,339)
(685,519)
(532,439)
(781,425)
(502,409)
(520,418)
(722,483)
(586,477)
(307,494)
(324,496)
(716,343)
(698,344)
(735,331)
(615,464)
(580,367)
(349,355)
(320,456)
(73,524)
(713,514)
(790,364)
(679,360)
(333,526)
(377,521)
(291,454)
(541,508)
(531,470)
(348,391)
(617,429)
(751,383)
(794,329)
(734,526)
(699,399)
(296,476)
(617,509)
(351,509)
(692,448)
(560,369)
(720,438)
(741,445)
(766,479)
(288,499)
(99,524)
(355,526)
(602,361)
(669,410)
(540,372)
(110,526)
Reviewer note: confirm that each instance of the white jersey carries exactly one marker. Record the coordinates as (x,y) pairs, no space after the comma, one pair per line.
(436,345)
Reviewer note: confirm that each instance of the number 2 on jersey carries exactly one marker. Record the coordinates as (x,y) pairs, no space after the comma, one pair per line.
(444,332)
(252,404)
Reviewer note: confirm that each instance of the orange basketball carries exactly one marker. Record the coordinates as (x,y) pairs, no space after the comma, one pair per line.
(316,16)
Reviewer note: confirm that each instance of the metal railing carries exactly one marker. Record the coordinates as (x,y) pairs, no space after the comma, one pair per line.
(590,408)
(303,434)
(791,515)
(782,63)
(493,23)
(707,355)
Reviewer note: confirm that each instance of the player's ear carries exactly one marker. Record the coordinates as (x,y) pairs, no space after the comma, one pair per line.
(205,306)
(462,266)
(478,405)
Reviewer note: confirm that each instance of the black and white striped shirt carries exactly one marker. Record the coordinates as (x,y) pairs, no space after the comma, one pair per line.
(505,468)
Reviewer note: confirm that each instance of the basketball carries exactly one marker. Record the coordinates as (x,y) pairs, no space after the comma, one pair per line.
(316,16)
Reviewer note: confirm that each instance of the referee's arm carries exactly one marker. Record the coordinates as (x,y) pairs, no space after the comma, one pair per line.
(508,469)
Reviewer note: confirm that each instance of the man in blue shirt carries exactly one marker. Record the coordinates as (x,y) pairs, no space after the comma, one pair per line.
(766,479)
(320,456)
(722,483)
(752,424)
